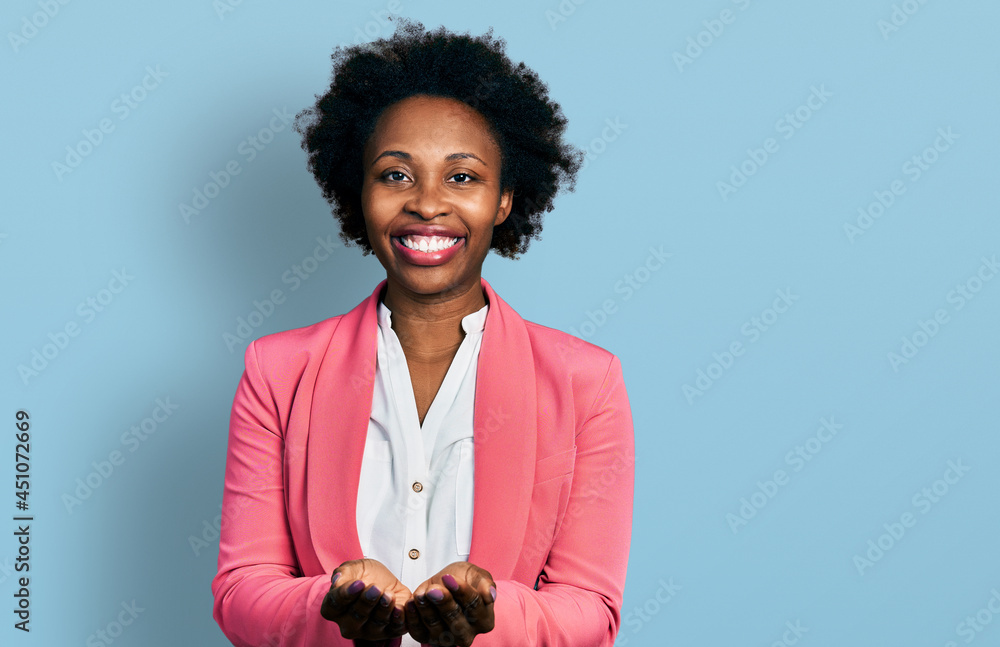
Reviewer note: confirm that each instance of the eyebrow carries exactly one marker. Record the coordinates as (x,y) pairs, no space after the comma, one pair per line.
(406,156)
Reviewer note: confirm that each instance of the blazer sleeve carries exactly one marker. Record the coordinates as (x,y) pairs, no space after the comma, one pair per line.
(579,596)
(260,599)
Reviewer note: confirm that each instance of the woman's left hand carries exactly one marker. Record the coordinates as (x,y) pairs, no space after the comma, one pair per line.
(452,607)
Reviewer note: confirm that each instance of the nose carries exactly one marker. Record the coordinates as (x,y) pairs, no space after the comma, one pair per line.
(428,200)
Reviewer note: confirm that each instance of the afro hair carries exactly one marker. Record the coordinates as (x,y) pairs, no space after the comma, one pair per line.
(528,127)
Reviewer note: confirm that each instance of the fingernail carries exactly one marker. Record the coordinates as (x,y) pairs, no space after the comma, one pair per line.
(449,581)
(372,593)
(386,600)
(421,600)
(336,577)
(396,613)
(493,592)
(355,587)
(435,595)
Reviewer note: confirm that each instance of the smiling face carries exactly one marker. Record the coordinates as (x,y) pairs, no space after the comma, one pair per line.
(431,194)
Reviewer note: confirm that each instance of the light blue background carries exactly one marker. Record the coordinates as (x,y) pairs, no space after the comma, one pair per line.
(653,185)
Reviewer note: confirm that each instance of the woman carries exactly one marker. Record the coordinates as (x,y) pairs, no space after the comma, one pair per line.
(429,467)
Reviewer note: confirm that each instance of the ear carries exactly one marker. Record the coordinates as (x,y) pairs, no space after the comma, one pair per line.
(503,209)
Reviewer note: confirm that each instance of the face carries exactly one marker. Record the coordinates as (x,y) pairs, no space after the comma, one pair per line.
(431,176)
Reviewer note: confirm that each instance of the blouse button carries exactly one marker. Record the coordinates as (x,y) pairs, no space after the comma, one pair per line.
(414,553)
(417,487)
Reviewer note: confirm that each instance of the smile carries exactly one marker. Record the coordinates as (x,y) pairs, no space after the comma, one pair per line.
(427,250)
(428,244)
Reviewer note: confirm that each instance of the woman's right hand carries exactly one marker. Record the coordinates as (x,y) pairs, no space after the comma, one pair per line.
(366,601)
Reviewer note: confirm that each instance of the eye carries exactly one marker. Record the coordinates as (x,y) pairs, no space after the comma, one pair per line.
(395,176)
(462,178)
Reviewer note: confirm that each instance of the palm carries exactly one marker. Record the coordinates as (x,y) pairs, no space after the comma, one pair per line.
(367,601)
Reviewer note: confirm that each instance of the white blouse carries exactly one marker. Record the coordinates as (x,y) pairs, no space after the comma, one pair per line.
(415,496)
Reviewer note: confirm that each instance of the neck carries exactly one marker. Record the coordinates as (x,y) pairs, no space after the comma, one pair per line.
(429,327)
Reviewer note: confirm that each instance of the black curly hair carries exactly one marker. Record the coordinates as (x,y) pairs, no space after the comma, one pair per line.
(528,127)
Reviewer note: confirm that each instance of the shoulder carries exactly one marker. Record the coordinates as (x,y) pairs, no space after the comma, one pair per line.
(566,347)
(292,350)
(554,349)
(564,360)
(562,357)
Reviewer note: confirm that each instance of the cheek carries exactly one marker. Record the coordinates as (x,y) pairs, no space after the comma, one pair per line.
(380,199)
(374,207)
(367,199)
(482,204)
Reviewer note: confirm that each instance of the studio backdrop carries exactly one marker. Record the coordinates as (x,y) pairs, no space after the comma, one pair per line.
(786,229)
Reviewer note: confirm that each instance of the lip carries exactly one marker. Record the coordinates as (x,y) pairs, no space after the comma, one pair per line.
(416,257)
(426,230)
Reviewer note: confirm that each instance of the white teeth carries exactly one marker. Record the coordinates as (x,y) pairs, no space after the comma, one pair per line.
(432,244)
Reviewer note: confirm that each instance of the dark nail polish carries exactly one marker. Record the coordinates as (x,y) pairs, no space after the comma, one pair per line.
(421,600)
(386,600)
(449,581)
(493,592)
(355,587)
(435,595)
(336,576)
(372,593)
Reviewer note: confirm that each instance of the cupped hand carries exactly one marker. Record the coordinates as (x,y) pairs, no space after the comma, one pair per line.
(366,601)
(453,606)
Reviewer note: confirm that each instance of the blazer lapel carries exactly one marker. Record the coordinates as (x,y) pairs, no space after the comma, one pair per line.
(504,437)
(338,429)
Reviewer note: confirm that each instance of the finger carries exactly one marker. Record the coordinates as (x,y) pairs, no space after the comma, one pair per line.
(452,617)
(352,605)
(366,603)
(338,598)
(485,586)
(414,624)
(397,621)
(399,596)
(440,630)
(428,614)
(381,614)
(476,601)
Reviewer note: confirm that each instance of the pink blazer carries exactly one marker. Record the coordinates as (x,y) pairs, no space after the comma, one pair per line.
(554,471)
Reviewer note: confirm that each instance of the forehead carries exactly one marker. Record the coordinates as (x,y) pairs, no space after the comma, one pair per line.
(428,124)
